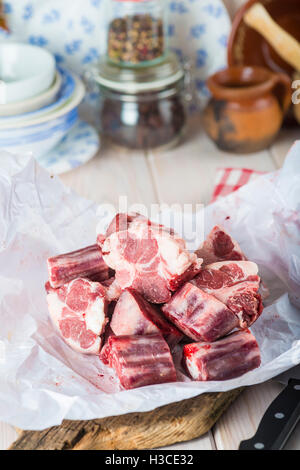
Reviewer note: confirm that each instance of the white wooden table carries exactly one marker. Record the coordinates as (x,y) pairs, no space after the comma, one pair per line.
(182,175)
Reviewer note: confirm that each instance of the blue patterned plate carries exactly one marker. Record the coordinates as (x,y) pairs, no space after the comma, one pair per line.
(78,147)
(74,30)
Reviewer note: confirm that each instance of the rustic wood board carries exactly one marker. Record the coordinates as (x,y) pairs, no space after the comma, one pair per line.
(177,422)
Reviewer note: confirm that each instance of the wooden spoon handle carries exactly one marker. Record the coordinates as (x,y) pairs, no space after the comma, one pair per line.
(284,44)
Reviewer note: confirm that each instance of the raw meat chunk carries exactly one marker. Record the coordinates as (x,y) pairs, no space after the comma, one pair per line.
(113,290)
(133,315)
(121,222)
(78,311)
(244,300)
(147,257)
(225,274)
(236,284)
(199,315)
(87,262)
(225,359)
(140,360)
(219,246)
(105,351)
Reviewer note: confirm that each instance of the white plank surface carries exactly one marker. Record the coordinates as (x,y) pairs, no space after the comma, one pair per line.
(113,172)
(242,418)
(203,443)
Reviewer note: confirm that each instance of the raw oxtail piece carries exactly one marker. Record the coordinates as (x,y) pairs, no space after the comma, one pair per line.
(133,315)
(226,274)
(225,359)
(244,300)
(113,290)
(147,257)
(79,312)
(86,263)
(140,360)
(105,354)
(220,246)
(199,315)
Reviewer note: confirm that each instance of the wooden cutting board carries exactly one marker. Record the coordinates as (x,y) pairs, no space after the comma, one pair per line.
(177,422)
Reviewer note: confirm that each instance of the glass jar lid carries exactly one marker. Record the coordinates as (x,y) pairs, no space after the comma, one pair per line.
(132,81)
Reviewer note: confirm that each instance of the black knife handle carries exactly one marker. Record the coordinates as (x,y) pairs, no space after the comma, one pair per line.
(278,421)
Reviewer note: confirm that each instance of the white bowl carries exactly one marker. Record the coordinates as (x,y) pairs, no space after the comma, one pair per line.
(42,134)
(66,91)
(56,112)
(25,71)
(32,104)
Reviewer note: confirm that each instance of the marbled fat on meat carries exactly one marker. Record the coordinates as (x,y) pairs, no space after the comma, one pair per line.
(133,315)
(225,359)
(87,262)
(220,246)
(113,290)
(140,360)
(199,315)
(78,310)
(147,257)
(244,300)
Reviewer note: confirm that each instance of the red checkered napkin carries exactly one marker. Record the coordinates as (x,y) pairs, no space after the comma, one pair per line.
(231,179)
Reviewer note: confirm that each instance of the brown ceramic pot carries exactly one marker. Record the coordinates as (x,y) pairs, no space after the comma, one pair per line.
(247,47)
(247,108)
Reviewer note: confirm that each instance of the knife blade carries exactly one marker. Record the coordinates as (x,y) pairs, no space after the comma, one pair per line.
(281,417)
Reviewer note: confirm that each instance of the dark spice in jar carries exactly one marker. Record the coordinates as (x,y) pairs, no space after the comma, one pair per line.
(149,122)
(135,39)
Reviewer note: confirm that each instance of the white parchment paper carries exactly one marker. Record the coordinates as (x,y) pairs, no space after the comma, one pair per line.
(42,381)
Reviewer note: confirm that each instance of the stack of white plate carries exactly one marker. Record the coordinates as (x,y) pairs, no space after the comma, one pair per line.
(38,102)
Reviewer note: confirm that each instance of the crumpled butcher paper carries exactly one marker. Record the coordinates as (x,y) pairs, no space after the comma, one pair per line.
(42,381)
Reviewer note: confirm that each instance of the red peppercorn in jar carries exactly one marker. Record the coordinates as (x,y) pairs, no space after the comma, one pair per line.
(142,108)
(136,32)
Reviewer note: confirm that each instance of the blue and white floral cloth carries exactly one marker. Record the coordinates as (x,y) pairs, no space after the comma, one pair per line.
(74,30)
